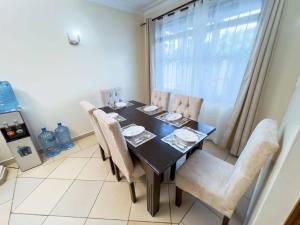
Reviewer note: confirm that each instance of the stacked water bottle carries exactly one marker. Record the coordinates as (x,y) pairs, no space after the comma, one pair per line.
(55,142)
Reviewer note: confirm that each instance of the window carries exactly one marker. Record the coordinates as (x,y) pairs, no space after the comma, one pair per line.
(204,51)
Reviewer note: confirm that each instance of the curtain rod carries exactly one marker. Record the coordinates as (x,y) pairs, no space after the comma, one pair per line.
(172,10)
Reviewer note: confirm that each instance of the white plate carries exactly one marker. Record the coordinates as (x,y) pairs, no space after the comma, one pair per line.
(113,115)
(150,108)
(133,131)
(186,135)
(173,116)
(121,104)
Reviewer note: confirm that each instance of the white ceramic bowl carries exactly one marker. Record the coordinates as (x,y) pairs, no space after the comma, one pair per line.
(173,117)
(186,135)
(133,131)
(121,104)
(150,108)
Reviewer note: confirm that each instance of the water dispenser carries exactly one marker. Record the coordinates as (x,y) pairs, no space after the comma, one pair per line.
(17,136)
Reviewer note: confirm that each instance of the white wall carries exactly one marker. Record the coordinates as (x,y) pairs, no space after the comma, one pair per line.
(284,68)
(282,190)
(50,76)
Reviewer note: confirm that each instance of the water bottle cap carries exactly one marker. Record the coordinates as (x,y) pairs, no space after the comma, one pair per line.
(44,129)
(59,124)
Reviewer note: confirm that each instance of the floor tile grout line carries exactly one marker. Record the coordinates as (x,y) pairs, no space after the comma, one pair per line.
(187,211)
(72,155)
(30,192)
(210,209)
(44,220)
(5,202)
(152,222)
(110,181)
(68,188)
(55,168)
(61,197)
(94,218)
(170,203)
(85,218)
(131,201)
(69,178)
(43,164)
(12,200)
(37,185)
(100,189)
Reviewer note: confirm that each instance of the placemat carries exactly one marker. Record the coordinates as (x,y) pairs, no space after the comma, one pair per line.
(180,145)
(139,139)
(177,123)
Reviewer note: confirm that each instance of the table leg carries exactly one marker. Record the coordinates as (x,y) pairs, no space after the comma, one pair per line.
(200,146)
(172,172)
(153,190)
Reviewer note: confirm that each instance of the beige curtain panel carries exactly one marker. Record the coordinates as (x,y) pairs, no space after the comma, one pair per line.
(240,124)
(149,36)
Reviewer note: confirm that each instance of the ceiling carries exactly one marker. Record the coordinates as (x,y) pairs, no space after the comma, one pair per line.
(134,6)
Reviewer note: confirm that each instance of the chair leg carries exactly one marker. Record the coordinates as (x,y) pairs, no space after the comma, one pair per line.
(102,153)
(112,166)
(225,220)
(132,192)
(117,173)
(178,198)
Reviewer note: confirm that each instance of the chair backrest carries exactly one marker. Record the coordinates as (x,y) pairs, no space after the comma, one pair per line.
(111,96)
(160,99)
(262,144)
(116,143)
(188,106)
(89,108)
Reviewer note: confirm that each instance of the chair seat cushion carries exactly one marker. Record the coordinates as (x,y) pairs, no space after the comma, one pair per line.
(205,177)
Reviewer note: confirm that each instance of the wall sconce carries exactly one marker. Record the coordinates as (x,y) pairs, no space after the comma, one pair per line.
(74,38)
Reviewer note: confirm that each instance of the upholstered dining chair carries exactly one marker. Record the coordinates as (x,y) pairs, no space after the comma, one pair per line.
(188,106)
(104,150)
(160,99)
(111,96)
(220,184)
(119,151)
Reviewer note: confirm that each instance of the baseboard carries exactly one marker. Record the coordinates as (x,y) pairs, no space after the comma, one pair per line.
(7,162)
(82,136)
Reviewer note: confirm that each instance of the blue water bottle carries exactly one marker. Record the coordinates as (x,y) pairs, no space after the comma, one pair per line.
(64,138)
(49,143)
(8,100)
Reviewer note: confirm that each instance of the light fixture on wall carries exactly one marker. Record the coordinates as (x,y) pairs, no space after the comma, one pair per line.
(74,38)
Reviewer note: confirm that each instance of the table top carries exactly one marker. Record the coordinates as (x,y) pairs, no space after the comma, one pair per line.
(156,153)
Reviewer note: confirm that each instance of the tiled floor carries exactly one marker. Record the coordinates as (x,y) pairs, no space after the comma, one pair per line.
(77,188)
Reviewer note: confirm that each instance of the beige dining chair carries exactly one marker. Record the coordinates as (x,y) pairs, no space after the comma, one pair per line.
(111,96)
(220,184)
(188,106)
(119,151)
(160,99)
(104,150)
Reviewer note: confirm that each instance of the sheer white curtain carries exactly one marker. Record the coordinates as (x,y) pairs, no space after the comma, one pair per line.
(204,51)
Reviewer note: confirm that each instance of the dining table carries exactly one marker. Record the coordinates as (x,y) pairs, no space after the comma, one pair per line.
(156,156)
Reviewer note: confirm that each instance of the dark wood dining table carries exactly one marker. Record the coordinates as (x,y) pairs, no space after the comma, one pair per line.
(155,155)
